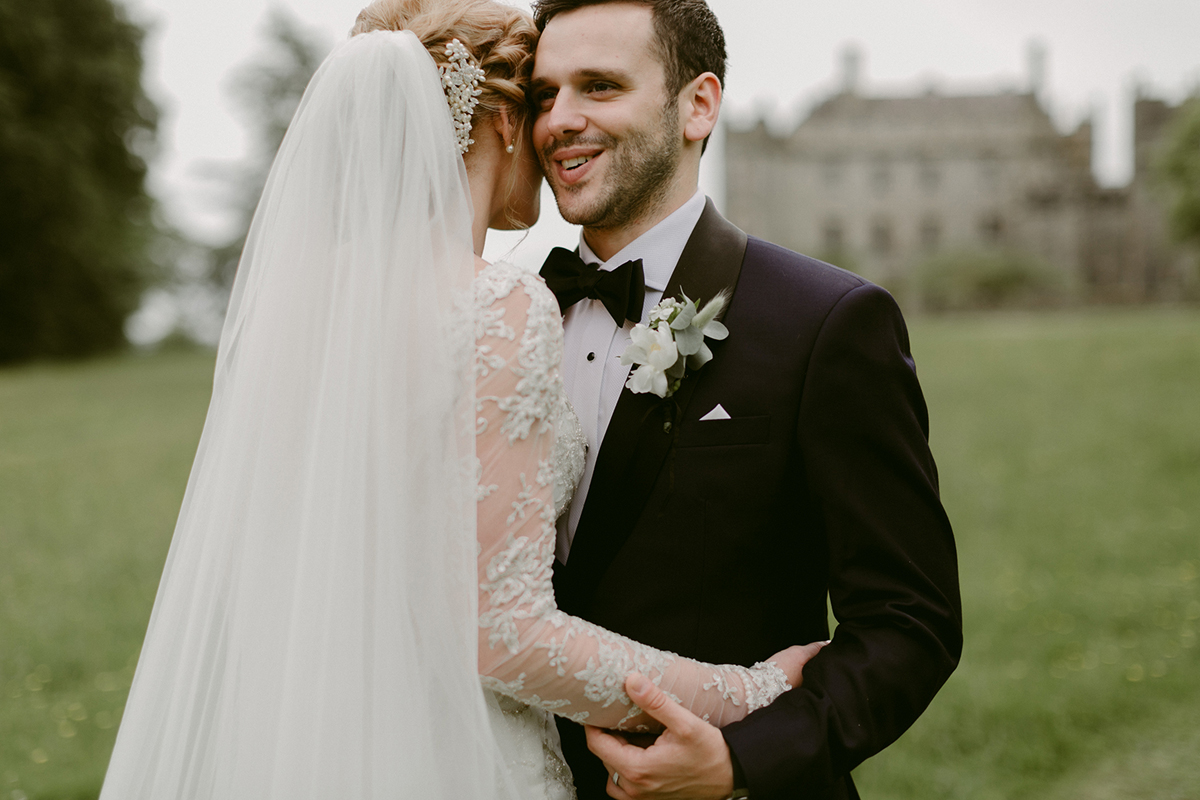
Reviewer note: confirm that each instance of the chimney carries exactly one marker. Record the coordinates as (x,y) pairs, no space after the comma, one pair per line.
(851,69)
(1035,60)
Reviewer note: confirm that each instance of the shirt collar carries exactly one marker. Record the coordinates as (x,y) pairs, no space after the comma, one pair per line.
(659,248)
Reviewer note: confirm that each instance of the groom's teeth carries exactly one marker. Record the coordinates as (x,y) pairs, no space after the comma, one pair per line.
(572,163)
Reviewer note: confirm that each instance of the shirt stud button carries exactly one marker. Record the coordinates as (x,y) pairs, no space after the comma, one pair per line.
(591,356)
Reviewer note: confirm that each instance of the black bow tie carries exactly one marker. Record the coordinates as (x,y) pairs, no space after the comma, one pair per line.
(622,290)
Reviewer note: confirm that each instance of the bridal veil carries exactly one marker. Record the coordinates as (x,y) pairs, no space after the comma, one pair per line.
(315,630)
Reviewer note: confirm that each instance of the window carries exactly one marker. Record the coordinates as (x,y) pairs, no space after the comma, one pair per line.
(832,173)
(929,176)
(931,233)
(991,228)
(1044,198)
(881,177)
(881,236)
(989,170)
(833,235)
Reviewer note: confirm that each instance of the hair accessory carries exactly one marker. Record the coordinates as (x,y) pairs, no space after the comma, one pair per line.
(510,149)
(460,81)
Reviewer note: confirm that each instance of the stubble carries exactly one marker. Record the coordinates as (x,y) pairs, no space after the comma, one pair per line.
(639,181)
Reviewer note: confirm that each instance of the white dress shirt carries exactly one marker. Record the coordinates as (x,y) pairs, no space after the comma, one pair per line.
(592,343)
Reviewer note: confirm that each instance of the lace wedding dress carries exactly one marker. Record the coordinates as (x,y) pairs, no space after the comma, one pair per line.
(536,660)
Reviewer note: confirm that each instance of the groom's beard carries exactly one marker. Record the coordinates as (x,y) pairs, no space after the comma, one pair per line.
(637,180)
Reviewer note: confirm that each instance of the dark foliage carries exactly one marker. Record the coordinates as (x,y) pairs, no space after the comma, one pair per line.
(1179,169)
(986,279)
(75,219)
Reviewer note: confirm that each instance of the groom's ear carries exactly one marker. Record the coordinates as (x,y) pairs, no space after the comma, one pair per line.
(700,104)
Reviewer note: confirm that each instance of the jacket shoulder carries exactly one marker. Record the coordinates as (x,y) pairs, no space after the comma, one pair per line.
(795,278)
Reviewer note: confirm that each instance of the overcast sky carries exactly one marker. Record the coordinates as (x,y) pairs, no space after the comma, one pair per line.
(784,56)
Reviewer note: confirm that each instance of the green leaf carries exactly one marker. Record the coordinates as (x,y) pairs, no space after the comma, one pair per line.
(689,340)
(699,358)
(684,316)
(716,330)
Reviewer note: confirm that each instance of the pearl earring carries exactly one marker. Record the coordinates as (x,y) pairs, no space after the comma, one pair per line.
(510,149)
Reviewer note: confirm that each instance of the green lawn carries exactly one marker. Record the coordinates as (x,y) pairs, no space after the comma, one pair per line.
(1069,447)
(93,462)
(1069,450)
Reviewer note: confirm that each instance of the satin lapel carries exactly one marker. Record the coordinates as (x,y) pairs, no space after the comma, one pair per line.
(635,445)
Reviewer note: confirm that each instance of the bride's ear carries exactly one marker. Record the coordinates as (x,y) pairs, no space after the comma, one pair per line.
(503,124)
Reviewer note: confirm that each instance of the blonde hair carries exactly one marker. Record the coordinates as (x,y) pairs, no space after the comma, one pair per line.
(499,37)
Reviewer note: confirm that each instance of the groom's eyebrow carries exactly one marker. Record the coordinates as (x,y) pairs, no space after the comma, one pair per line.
(591,74)
(603,74)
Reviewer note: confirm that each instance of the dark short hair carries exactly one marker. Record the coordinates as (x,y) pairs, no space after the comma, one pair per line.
(687,35)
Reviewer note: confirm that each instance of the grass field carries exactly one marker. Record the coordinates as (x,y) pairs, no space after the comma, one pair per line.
(1069,448)
(93,461)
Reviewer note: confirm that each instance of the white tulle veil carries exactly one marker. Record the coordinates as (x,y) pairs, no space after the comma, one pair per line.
(314,634)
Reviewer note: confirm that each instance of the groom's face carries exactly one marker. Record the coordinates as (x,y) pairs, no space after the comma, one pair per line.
(607,130)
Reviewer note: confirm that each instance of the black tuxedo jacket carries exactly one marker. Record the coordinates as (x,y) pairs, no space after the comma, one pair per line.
(721,540)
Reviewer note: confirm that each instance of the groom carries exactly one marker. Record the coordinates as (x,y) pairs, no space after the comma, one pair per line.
(795,467)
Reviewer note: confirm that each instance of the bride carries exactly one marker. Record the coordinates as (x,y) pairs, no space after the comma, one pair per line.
(369,523)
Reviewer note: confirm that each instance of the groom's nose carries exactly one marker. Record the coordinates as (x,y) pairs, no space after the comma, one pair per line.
(564,117)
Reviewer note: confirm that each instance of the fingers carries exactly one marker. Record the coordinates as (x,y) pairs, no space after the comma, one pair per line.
(811,649)
(606,746)
(655,702)
(793,660)
(613,787)
(695,765)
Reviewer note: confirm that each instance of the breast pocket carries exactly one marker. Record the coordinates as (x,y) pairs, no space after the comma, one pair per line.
(726,432)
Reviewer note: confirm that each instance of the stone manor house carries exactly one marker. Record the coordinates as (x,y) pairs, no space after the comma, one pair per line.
(880,184)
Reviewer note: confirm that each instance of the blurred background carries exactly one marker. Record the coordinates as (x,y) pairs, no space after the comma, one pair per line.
(1024,177)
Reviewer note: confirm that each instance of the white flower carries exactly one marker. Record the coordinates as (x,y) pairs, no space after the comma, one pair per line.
(654,350)
(663,311)
(672,343)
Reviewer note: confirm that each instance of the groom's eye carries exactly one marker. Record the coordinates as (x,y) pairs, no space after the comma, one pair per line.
(543,99)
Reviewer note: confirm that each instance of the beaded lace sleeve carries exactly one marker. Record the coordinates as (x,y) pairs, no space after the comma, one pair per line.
(528,649)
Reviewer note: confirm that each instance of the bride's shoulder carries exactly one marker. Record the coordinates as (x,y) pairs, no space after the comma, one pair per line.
(496,284)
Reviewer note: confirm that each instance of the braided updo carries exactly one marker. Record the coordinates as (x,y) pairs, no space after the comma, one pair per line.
(499,37)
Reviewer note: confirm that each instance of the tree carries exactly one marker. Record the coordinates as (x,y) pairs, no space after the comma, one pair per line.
(1179,169)
(76,224)
(267,91)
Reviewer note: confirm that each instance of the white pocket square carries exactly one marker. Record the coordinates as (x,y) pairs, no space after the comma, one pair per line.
(717,413)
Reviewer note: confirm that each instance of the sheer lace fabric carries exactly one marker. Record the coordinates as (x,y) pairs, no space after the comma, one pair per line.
(528,649)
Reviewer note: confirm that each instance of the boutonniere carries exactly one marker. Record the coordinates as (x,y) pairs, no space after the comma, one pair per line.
(673,343)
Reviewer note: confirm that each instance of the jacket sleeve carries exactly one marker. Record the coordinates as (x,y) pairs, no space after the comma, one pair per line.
(893,578)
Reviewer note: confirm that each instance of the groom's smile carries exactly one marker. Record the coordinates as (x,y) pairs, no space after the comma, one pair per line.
(572,163)
(607,131)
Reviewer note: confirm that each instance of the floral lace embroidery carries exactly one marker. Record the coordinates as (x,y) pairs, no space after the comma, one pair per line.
(539,354)
(570,452)
(482,490)
(540,655)
(721,684)
(764,682)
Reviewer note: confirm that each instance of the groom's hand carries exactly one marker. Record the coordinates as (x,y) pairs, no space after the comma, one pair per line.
(689,761)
